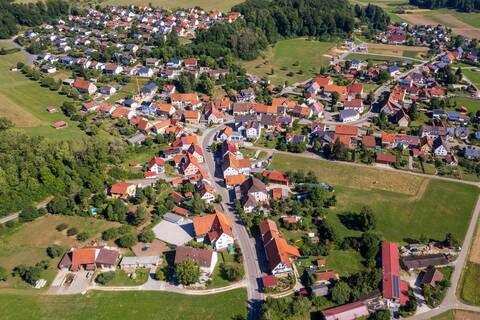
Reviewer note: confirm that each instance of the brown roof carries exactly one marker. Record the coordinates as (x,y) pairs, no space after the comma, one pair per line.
(201,256)
(107,257)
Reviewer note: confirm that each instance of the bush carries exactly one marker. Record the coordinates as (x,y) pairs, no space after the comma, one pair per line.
(3,274)
(232,271)
(72,232)
(29,213)
(146,236)
(105,277)
(127,241)
(159,275)
(83,236)
(61,226)
(54,251)
(110,234)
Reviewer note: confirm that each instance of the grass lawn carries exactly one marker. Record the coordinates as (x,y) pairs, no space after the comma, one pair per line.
(122,305)
(376,58)
(122,278)
(472,105)
(292,55)
(24,102)
(469,286)
(217,279)
(222,5)
(27,243)
(344,262)
(405,206)
(472,75)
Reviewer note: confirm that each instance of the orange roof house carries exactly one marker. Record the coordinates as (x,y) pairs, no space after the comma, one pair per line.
(123,190)
(215,228)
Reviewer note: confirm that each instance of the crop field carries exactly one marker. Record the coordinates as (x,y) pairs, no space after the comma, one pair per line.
(24,102)
(292,60)
(405,206)
(398,50)
(21,304)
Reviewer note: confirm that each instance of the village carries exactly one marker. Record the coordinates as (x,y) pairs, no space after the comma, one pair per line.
(213,144)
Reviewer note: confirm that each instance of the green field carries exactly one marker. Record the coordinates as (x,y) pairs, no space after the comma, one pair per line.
(405,206)
(343,262)
(469,286)
(122,305)
(378,58)
(473,76)
(27,243)
(472,105)
(292,55)
(122,279)
(222,5)
(24,102)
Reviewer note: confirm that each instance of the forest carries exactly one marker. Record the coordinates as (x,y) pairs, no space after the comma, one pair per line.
(30,15)
(461,5)
(33,168)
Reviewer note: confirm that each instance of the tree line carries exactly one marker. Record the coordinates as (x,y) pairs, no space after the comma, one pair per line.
(462,5)
(28,14)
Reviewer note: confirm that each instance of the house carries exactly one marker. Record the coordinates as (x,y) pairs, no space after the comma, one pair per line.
(156,165)
(348,115)
(355,104)
(369,142)
(145,72)
(235,180)
(205,259)
(149,89)
(191,116)
(269,281)
(89,258)
(275,176)
(233,166)
(107,90)
(197,152)
(348,311)
(278,251)
(183,100)
(130,264)
(84,86)
(471,153)
(254,188)
(432,276)
(190,165)
(326,277)
(419,262)
(215,229)
(123,190)
(394,290)
(164,109)
(59,124)
(385,158)
(206,192)
(439,147)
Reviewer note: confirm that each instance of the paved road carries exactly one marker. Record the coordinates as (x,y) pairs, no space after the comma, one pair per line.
(14,216)
(248,246)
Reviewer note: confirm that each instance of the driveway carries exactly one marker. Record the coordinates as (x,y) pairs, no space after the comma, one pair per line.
(79,284)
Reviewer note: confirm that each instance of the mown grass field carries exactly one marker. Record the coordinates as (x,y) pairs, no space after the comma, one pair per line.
(377,58)
(473,76)
(469,285)
(24,102)
(405,206)
(122,305)
(343,262)
(471,104)
(221,5)
(27,243)
(292,55)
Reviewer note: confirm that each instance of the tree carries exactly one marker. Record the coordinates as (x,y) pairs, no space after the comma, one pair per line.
(61,227)
(83,236)
(159,275)
(380,315)
(218,198)
(341,292)
(29,213)
(146,236)
(232,271)
(188,272)
(450,241)
(72,232)
(54,251)
(127,241)
(5,124)
(367,218)
(105,277)
(137,217)
(3,274)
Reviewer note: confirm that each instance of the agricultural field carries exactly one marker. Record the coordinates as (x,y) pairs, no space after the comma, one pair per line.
(292,60)
(398,50)
(27,243)
(20,304)
(221,5)
(406,206)
(24,102)
(457,315)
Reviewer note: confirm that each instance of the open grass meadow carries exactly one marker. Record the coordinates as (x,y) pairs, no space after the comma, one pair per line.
(472,105)
(469,284)
(292,60)
(405,206)
(24,102)
(221,5)
(16,304)
(473,76)
(27,243)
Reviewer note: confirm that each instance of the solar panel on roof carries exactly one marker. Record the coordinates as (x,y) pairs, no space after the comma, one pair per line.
(396,286)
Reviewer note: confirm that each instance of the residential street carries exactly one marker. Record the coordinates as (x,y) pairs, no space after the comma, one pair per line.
(248,246)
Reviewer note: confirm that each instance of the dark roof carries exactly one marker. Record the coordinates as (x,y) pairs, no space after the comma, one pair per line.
(106,256)
(253,185)
(201,256)
(432,276)
(424,261)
